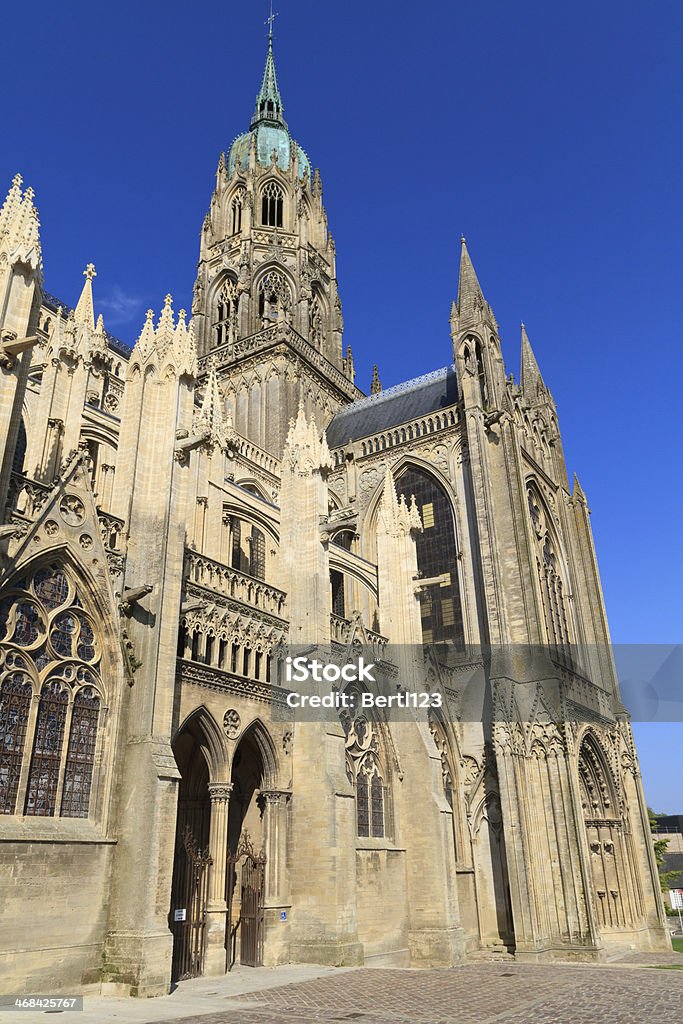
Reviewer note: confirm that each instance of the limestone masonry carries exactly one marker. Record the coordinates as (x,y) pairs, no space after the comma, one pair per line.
(179,517)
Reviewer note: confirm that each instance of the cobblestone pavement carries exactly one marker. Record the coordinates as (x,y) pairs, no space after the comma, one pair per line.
(473,994)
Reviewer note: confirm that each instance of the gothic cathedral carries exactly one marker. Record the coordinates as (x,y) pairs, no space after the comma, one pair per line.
(177,514)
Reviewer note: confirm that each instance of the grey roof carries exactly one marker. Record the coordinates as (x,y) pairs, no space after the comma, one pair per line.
(114,343)
(400,404)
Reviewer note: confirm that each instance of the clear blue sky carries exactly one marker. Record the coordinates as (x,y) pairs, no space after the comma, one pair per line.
(550,135)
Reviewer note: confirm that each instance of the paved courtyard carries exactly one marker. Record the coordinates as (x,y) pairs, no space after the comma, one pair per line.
(478,993)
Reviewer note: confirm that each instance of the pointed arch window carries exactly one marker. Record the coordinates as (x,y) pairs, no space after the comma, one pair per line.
(272,200)
(440,605)
(50,697)
(236,207)
(257,554)
(364,771)
(549,571)
(481,374)
(226,313)
(15,703)
(274,297)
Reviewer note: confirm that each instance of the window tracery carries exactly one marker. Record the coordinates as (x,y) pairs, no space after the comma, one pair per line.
(548,566)
(50,697)
(272,199)
(226,313)
(440,606)
(236,211)
(274,297)
(364,771)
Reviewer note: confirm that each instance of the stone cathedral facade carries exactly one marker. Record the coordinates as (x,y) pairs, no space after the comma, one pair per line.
(176,513)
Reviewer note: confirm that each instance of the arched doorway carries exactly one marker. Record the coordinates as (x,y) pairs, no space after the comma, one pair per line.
(245,876)
(189,889)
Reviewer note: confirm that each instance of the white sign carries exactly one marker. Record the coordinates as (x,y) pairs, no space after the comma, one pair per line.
(676,899)
(180,915)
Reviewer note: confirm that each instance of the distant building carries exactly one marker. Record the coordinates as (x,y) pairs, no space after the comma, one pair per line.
(176,513)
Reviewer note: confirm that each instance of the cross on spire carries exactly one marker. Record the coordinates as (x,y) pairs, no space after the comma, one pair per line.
(90,271)
(269,21)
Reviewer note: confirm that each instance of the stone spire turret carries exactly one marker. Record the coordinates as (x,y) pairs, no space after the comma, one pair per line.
(268,108)
(85,310)
(533,385)
(375,383)
(19,227)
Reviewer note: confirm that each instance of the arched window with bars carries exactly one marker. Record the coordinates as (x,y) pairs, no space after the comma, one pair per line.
(272,201)
(226,313)
(50,697)
(236,207)
(274,298)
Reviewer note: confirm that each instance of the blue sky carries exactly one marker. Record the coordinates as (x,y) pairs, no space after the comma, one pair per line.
(549,135)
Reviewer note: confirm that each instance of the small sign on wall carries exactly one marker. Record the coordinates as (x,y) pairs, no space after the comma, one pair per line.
(283,915)
(180,915)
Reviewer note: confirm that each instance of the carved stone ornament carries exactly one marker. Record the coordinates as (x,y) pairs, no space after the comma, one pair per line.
(51,528)
(232,723)
(219,791)
(72,510)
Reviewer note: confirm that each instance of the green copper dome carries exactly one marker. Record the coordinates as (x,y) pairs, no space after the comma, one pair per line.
(269,128)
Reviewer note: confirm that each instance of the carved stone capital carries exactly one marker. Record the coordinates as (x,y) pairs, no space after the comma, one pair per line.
(219,792)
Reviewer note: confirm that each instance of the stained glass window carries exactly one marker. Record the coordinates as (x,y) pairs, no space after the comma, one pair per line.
(62,635)
(47,750)
(80,757)
(86,640)
(47,605)
(377,806)
(27,625)
(257,566)
(362,809)
(15,702)
(52,587)
(440,607)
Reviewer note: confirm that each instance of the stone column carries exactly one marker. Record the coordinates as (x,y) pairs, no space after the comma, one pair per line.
(216,911)
(275,843)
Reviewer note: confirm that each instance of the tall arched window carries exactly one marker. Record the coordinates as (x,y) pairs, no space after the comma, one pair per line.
(50,697)
(548,568)
(257,554)
(365,773)
(481,374)
(271,205)
(274,297)
(226,313)
(440,606)
(236,212)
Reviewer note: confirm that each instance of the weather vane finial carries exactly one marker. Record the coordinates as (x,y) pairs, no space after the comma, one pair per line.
(269,21)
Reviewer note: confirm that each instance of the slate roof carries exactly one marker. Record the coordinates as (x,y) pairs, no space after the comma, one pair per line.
(118,346)
(400,404)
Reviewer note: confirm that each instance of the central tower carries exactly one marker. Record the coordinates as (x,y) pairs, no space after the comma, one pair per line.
(266,306)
